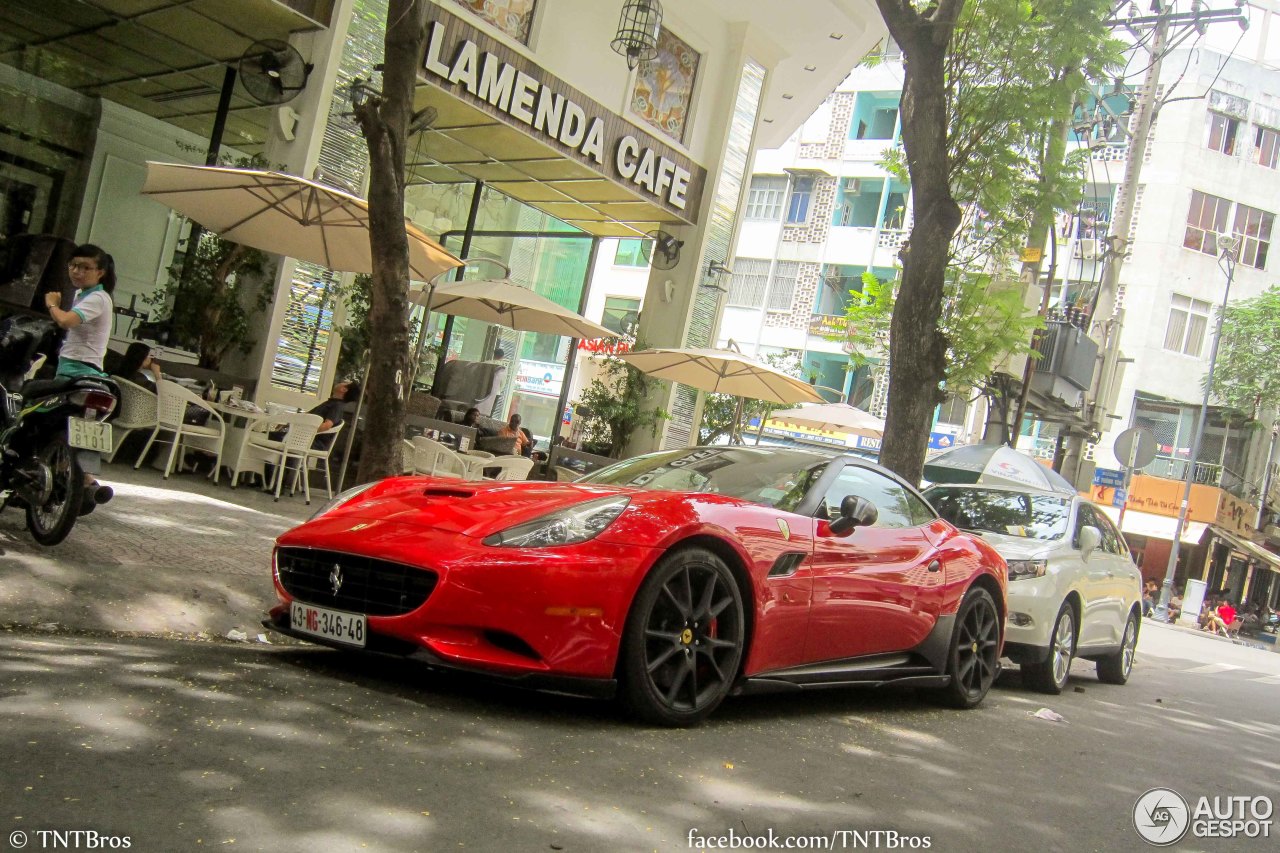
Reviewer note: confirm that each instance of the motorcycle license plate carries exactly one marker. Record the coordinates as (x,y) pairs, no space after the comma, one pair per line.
(336,625)
(89,435)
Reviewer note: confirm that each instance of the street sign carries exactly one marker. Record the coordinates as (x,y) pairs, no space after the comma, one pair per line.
(1119,497)
(1135,447)
(1108,477)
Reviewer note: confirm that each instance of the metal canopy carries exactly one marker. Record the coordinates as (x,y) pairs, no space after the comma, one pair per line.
(163,58)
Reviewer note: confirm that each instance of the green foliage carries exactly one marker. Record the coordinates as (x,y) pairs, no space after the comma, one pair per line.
(718,410)
(1247,373)
(210,308)
(357,336)
(615,403)
(983,320)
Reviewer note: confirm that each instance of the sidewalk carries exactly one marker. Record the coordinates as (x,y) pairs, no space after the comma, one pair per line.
(181,556)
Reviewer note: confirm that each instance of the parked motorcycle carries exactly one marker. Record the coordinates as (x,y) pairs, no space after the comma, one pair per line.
(43,423)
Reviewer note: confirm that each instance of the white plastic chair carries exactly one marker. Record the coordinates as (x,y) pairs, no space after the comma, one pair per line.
(433,458)
(300,431)
(509,467)
(170,412)
(317,457)
(138,410)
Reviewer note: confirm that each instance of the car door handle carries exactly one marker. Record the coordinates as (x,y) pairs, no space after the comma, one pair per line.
(935,566)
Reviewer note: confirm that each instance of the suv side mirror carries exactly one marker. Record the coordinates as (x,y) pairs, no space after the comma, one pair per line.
(1090,539)
(854,512)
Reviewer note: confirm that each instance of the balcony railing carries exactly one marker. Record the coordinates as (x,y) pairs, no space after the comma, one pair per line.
(1206,474)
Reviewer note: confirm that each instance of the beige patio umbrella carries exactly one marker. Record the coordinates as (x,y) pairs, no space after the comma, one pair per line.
(833,417)
(286,215)
(722,371)
(502,301)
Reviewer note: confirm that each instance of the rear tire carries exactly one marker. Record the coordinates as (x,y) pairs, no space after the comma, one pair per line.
(973,659)
(684,639)
(1050,675)
(50,522)
(1116,668)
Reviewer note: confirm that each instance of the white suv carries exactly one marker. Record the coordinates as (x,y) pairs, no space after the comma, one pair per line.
(1074,591)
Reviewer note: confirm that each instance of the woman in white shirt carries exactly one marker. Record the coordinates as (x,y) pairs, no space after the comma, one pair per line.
(88,323)
(88,326)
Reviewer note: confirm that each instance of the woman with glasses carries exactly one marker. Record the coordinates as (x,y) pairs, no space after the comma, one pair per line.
(88,326)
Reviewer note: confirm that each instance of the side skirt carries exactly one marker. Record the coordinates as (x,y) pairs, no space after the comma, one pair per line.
(922,666)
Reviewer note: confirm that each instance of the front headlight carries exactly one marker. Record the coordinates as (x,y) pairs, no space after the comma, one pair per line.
(342,498)
(1023,569)
(565,527)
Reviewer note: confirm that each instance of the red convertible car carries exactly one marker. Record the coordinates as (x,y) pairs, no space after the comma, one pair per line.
(676,578)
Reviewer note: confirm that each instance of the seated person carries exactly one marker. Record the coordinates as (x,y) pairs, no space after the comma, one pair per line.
(472,419)
(139,367)
(1210,620)
(1227,615)
(330,411)
(1175,604)
(1150,597)
(513,430)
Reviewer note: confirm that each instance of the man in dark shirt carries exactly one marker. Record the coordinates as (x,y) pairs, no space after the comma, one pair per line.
(331,410)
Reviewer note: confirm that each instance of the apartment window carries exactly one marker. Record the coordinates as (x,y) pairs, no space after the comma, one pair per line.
(1266,143)
(750,277)
(1206,219)
(1222,133)
(783,287)
(621,315)
(1253,226)
(764,200)
(798,205)
(630,253)
(1188,319)
(954,410)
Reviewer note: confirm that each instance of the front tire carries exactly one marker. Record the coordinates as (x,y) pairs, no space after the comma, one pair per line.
(684,639)
(51,521)
(1050,675)
(1116,668)
(973,659)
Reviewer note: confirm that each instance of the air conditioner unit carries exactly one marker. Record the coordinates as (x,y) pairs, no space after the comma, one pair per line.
(1087,249)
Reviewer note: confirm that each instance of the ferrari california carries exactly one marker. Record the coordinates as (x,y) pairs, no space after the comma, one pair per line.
(672,579)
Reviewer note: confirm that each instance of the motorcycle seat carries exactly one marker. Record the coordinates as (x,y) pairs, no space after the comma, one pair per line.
(45,387)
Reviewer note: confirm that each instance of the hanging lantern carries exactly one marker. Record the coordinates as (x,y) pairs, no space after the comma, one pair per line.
(637,37)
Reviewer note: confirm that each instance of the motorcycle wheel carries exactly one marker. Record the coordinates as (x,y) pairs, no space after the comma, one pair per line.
(50,522)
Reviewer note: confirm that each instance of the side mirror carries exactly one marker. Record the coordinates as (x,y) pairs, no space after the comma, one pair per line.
(1090,539)
(854,512)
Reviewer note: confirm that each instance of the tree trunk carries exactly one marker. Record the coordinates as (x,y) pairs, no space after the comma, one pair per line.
(917,349)
(384,121)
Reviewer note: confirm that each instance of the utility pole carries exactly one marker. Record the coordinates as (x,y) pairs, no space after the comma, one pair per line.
(1106,323)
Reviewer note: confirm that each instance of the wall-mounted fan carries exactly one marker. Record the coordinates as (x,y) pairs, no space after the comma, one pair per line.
(273,72)
(661,249)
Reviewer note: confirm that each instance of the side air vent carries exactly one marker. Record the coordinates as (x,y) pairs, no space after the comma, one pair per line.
(445,492)
(786,564)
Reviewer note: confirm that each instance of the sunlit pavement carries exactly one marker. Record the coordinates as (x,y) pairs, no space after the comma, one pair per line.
(164,556)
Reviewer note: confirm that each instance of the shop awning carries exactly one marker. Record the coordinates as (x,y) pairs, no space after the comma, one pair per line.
(1156,526)
(1250,549)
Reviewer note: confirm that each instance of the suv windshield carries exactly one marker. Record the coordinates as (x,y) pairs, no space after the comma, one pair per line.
(1008,513)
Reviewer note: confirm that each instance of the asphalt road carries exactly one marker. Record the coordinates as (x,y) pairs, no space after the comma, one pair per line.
(182,745)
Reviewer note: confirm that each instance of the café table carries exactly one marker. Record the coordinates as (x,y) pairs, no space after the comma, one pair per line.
(240,422)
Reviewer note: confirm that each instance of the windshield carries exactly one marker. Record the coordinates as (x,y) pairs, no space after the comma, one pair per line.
(1009,513)
(774,477)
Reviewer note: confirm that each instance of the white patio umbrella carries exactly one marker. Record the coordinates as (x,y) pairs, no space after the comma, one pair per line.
(502,301)
(833,417)
(287,215)
(722,371)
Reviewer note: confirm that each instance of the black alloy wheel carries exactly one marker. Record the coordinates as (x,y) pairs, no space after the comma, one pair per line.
(684,639)
(972,661)
(51,521)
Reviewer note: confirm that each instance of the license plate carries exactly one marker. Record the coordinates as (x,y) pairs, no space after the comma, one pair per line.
(89,435)
(346,628)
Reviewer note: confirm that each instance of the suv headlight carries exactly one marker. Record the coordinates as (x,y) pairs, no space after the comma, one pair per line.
(1023,569)
(568,526)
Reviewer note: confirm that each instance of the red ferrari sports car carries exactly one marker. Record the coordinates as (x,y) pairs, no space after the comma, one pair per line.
(676,578)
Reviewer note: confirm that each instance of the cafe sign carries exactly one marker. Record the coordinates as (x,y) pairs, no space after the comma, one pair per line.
(494,78)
